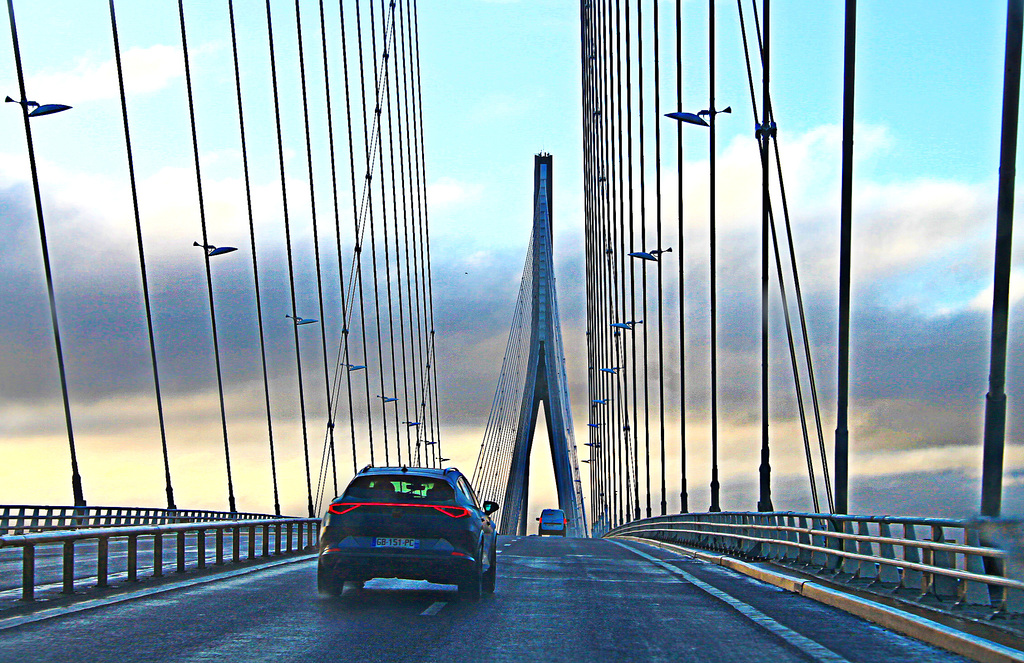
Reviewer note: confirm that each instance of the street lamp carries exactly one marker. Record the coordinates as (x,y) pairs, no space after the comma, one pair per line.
(689,118)
(212,250)
(652,255)
(38,109)
(299,320)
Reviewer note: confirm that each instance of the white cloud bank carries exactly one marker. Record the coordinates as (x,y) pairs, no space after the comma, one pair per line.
(146,70)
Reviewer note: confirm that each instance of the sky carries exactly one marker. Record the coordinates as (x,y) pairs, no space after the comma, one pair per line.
(501,82)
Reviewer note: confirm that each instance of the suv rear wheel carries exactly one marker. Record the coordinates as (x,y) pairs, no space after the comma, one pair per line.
(470,587)
(327,584)
(491,577)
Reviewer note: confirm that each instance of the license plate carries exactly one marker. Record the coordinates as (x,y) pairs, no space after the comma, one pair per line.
(391,542)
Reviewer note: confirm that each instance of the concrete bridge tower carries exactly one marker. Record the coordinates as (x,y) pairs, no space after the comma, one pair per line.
(546,381)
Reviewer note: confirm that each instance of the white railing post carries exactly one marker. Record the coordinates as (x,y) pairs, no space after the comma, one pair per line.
(974,593)
(865,569)
(887,573)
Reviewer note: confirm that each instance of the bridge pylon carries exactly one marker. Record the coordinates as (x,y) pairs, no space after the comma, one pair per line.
(544,381)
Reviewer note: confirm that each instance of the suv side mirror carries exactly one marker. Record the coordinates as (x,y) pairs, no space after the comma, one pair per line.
(490,507)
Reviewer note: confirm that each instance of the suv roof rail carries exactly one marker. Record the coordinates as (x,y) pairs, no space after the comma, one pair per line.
(365,468)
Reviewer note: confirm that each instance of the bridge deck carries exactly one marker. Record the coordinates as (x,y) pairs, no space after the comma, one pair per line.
(582,599)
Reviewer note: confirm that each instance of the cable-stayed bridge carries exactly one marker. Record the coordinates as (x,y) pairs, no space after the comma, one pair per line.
(533,374)
(304,145)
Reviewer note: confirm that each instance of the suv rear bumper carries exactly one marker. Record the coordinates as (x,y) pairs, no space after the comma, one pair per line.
(433,566)
(560,531)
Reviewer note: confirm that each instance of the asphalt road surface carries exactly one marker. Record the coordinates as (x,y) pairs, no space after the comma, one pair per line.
(557,600)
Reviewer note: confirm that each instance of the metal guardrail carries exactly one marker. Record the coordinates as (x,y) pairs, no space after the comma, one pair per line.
(285,532)
(939,558)
(19,518)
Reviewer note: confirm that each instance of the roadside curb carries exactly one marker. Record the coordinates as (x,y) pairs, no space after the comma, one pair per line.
(920,628)
(99,602)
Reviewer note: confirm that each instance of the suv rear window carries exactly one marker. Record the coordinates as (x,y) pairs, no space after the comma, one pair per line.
(400,489)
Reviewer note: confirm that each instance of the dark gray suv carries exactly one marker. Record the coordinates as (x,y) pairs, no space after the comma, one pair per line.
(409,522)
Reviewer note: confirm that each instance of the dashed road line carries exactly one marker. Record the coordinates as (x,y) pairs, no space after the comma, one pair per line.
(806,645)
(433,609)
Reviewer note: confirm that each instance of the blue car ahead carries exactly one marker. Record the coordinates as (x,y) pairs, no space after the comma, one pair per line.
(552,521)
(409,522)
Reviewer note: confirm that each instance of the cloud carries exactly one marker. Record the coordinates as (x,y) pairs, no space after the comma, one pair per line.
(146,70)
(919,333)
(983,300)
(498,108)
(446,192)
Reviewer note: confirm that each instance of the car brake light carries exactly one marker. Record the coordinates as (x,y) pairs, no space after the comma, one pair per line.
(451,511)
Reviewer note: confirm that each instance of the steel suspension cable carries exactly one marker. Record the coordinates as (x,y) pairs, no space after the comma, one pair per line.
(389,49)
(142,263)
(291,267)
(385,81)
(206,257)
(796,277)
(802,316)
(587,60)
(255,262)
(356,272)
(425,225)
(803,328)
(623,254)
(368,193)
(76,478)
(344,353)
(643,271)
(661,317)
(416,320)
(329,447)
(607,130)
(683,493)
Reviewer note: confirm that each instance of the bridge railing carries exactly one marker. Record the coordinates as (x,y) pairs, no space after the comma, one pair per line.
(278,536)
(929,557)
(20,518)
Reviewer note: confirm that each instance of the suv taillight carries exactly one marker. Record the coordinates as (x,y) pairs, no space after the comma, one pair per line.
(453,511)
(450,511)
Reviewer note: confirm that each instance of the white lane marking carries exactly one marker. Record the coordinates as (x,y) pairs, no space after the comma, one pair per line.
(810,647)
(50,613)
(433,609)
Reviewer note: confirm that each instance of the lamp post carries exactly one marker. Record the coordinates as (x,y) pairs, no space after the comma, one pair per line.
(37,111)
(209,250)
(298,321)
(698,119)
(995,399)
